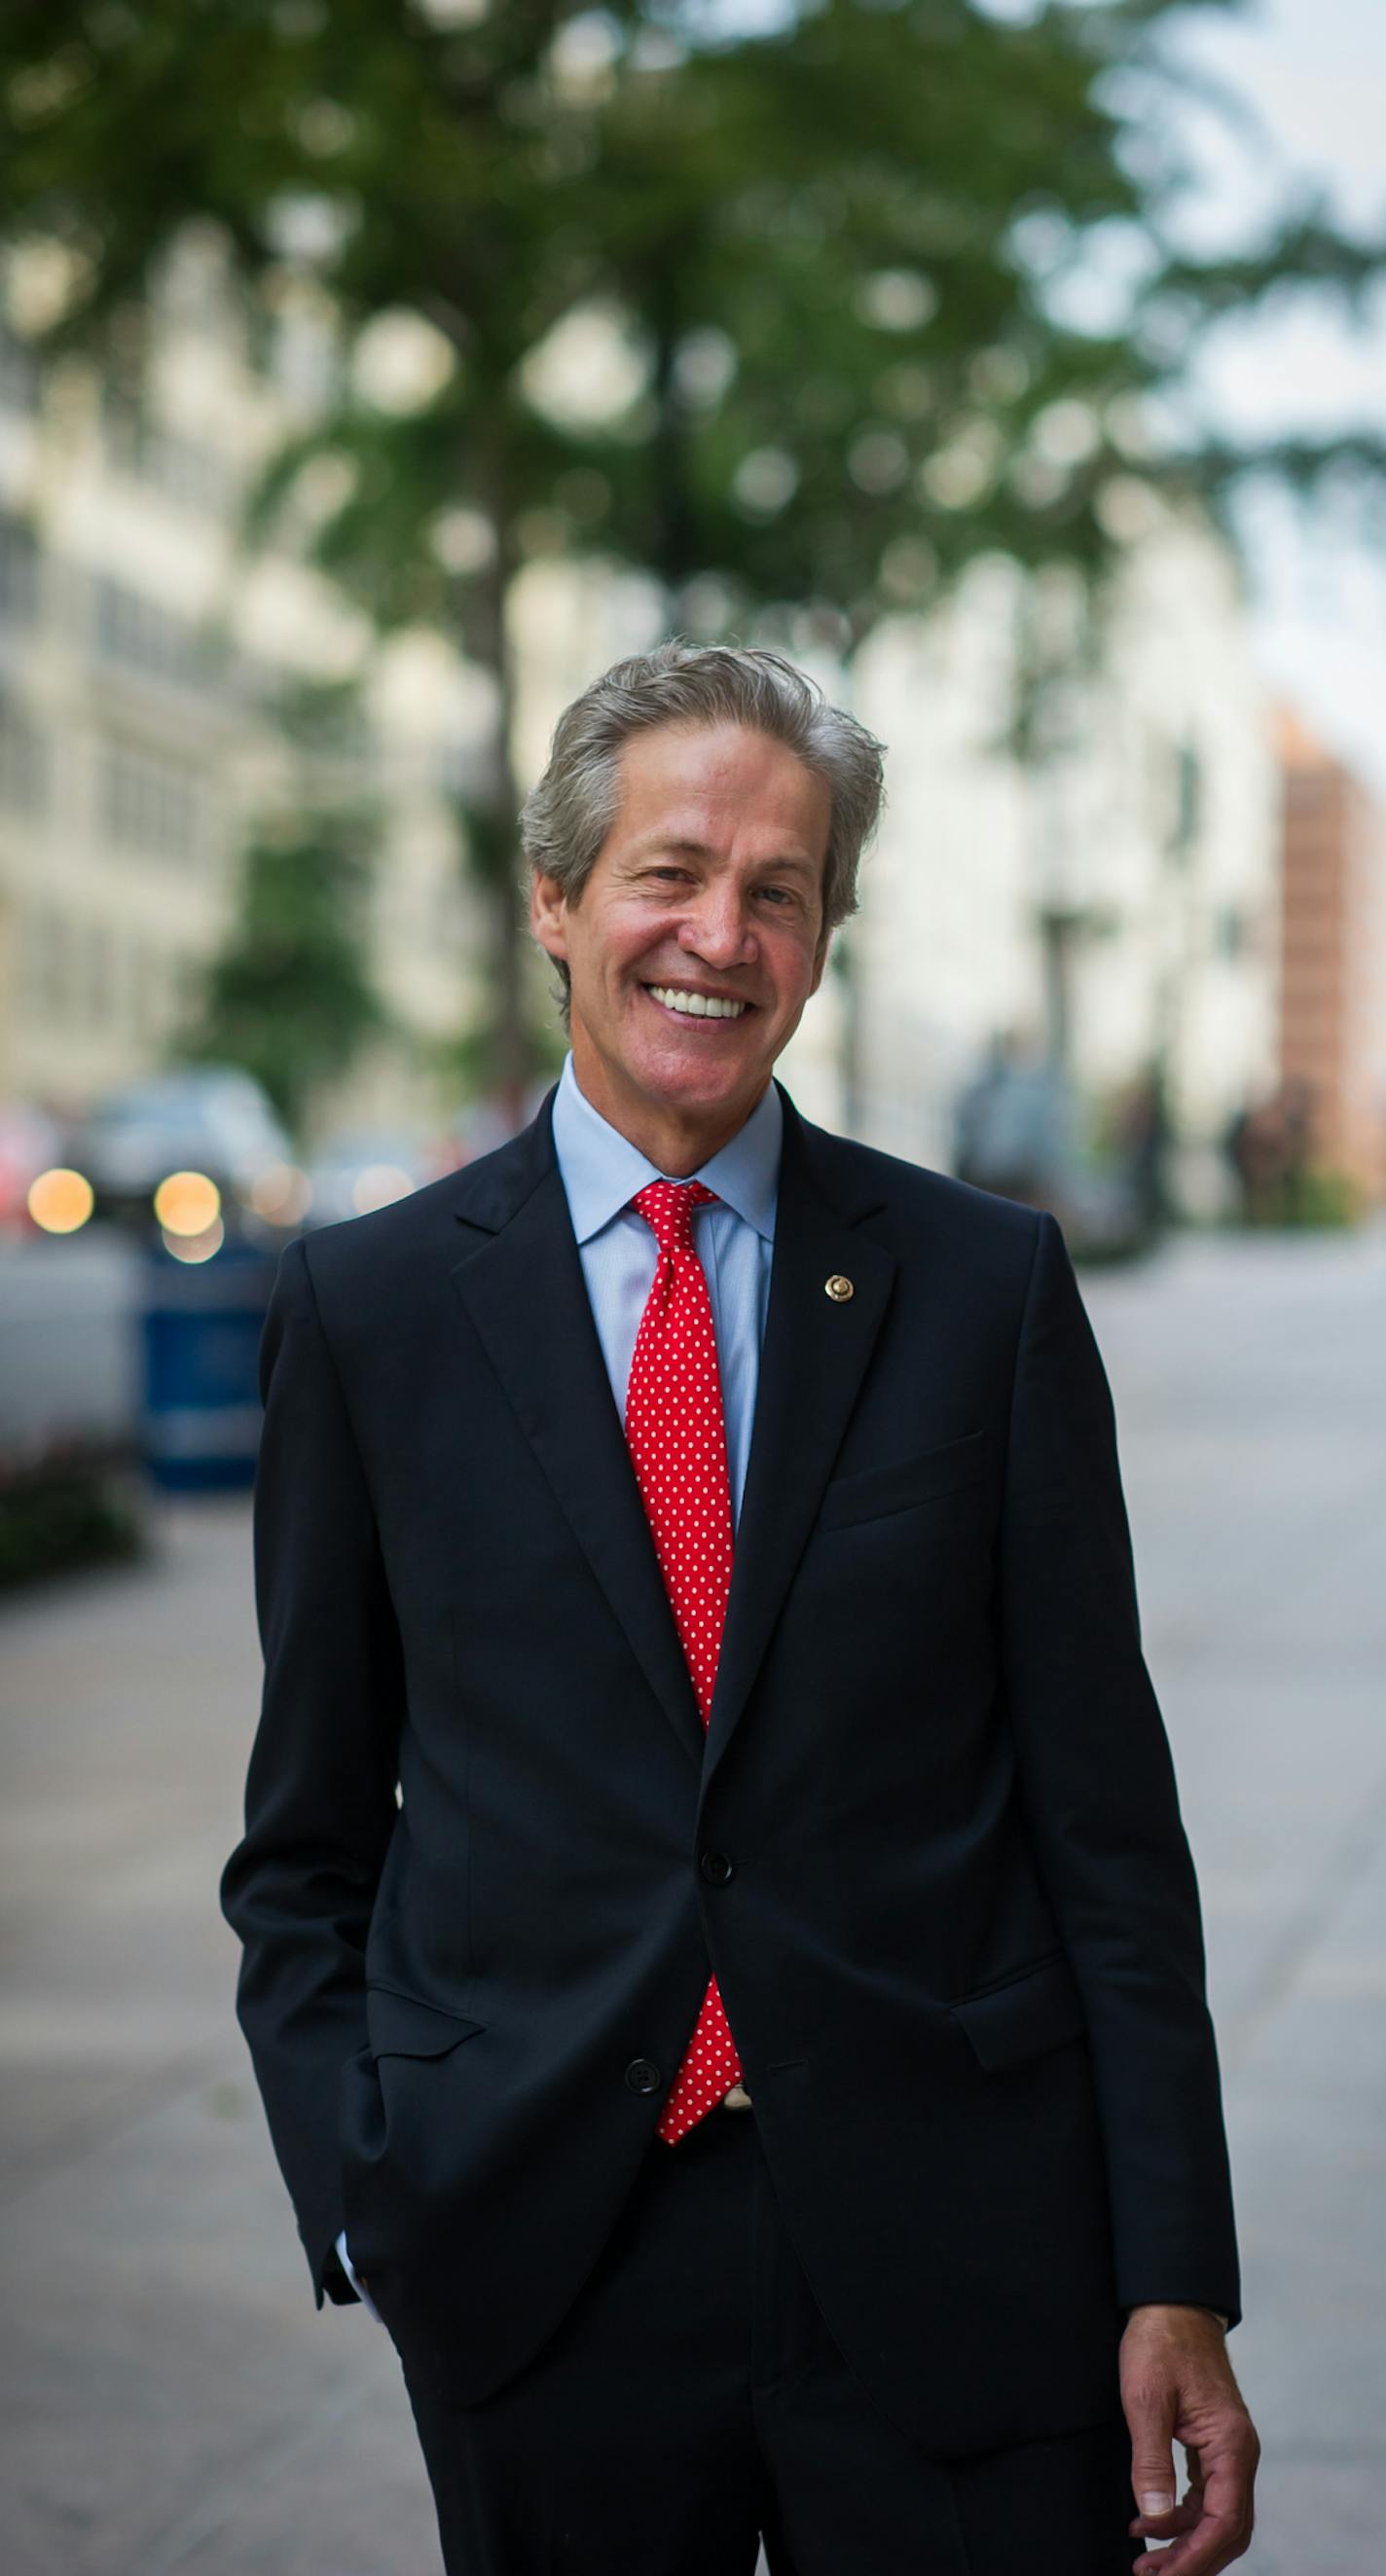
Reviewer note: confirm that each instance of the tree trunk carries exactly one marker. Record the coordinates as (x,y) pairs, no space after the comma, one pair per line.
(494,814)
(672,550)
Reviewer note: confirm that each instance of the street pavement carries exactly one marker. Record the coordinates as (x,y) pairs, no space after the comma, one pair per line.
(170,2398)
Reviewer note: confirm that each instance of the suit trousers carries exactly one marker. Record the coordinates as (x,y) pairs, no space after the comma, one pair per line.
(693,2401)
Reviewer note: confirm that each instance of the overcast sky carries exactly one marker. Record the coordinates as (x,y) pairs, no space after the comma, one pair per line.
(1312,73)
(1315,73)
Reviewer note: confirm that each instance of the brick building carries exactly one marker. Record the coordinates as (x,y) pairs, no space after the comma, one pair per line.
(1333,955)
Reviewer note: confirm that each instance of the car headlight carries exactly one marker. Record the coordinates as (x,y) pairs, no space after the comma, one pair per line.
(187,1203)
(60,1200)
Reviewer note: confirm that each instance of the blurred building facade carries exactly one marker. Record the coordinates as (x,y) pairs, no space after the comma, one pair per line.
(143,659)
(1080,843)
(1100,876)
(1102,880)
(1332,1031)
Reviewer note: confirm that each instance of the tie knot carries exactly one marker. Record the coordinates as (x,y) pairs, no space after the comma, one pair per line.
(667,1208)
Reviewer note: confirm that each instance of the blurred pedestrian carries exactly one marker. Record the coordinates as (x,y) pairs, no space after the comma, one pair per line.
(1271,1146)
(1014,1126)
(721,1955)
(1143,1142)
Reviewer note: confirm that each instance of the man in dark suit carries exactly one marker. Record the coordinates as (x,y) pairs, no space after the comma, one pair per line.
(721,1956)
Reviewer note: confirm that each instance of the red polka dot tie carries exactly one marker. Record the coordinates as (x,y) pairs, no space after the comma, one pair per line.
(678,1446)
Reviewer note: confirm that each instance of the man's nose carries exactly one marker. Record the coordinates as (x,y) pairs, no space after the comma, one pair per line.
(719,931)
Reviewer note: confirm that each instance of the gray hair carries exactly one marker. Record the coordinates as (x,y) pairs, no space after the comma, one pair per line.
(567,816)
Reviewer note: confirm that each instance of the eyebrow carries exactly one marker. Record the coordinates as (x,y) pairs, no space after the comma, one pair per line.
(686,849)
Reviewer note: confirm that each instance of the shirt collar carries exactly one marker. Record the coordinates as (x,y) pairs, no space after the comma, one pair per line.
(601,1170)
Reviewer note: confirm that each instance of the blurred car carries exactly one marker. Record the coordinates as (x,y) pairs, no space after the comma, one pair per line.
(489,1121)
(366,1168)
(196,1154)
(30,1143)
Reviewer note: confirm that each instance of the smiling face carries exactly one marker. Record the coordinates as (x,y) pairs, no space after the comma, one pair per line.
(697,938)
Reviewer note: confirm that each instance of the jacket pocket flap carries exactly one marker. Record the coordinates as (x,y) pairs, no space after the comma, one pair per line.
(877,1490)
(1033,2013)
(404,2026)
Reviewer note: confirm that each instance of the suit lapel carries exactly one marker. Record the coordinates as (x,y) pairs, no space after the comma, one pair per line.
(813,1362)
(522,1286)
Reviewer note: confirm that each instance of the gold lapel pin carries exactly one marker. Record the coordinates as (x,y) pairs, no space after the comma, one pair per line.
(838,1288)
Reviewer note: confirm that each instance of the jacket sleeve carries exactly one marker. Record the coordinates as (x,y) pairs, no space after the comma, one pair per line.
(320,1798)
(1098,1790)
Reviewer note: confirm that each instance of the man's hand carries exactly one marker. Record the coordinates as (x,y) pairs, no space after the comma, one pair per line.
(1177,2386)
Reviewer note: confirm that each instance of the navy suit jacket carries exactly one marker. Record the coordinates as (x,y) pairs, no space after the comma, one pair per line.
(959,1941)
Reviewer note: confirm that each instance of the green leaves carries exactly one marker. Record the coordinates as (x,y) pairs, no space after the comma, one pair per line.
(289,996)
(843,253)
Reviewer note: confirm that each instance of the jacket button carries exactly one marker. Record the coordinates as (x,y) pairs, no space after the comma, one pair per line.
(643,2076)
(717,1868)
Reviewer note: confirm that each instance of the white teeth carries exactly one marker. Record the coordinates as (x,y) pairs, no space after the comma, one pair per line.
(698,1006)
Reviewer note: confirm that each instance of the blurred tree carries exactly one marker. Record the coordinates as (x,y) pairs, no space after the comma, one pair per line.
(927,301)
(803,321)
(289,996)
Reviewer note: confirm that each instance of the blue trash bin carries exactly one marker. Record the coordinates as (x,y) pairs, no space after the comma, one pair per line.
(202,1322)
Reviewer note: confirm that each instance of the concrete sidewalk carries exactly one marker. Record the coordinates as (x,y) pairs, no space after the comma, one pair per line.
(1251,1387)
(171,2399)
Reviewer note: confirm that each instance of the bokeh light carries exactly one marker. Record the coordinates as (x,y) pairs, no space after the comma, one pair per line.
(60,1201)
(187,1203)
(379,1185)
(195,1247)
(281,1194)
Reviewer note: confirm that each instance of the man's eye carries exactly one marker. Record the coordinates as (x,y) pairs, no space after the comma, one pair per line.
(779,894)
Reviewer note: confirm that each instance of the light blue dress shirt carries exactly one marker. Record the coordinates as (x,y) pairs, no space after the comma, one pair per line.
(601,1171)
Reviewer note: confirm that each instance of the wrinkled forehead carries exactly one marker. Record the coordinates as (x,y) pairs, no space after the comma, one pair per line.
(720,792)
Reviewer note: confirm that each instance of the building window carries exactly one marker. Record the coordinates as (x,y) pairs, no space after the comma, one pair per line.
(148,803)
(23,763)
(1231,934)
(140,967)
(1188,798)
(138,634)
(47,964)
(19,375)
(96,993)
(18,572)
(184,470)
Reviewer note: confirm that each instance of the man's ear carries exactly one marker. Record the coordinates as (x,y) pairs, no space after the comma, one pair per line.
(548,914)
(820,960)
